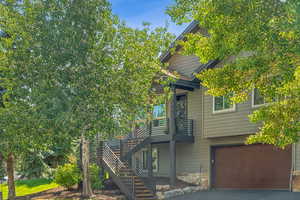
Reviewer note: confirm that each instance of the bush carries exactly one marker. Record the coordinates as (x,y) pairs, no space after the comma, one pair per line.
(67,175)
(96,182)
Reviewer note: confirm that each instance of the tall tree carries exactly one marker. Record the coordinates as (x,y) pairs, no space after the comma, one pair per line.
(83,71)
(258,44)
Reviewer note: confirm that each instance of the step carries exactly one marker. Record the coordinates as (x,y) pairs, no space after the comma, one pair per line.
(138,192)
(144,195)
(141,187)
(146,198)
(138,182)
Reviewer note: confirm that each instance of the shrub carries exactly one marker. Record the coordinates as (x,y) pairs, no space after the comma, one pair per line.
(67,175)
(96,182)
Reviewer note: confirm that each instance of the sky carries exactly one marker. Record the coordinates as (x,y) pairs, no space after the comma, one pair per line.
(135,12)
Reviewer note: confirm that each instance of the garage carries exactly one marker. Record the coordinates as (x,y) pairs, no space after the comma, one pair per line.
(251,167)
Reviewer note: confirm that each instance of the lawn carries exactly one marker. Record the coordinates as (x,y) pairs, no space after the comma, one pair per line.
(26,187)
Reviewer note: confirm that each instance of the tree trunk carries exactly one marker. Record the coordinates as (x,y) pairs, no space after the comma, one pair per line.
(86,182)
(79,164)
(11,178)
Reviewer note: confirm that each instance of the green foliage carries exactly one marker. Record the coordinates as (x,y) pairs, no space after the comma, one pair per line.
(27,187)
(258,44)
(32,165)
(96,182)
(85,71)
(71,68)
(41,163)
(2,170)
(67,175)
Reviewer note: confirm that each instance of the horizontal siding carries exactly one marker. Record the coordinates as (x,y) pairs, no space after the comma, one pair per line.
(230,123)
(163,159)
(297,156)
(195,157)
(188,155)
(185,65)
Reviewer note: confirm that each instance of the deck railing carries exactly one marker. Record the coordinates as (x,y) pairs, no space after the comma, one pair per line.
(183,127)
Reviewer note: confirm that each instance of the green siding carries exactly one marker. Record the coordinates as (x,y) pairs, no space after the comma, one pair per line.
(297,156)
(209,129)
(227,123)
(193,157)
(163,159)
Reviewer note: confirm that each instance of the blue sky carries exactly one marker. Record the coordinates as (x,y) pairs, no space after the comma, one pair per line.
(135,12)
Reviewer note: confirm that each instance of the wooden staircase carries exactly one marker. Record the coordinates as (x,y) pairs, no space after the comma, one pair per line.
(130,183)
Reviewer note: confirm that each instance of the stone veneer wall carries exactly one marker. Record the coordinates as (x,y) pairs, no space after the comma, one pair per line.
(200,179)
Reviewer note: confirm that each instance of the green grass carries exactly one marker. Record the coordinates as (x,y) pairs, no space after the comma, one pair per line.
(26,187)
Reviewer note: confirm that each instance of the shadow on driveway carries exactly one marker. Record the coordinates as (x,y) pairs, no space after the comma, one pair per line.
(240,195)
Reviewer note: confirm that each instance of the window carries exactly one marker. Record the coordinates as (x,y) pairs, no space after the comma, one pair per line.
(222,104)
(257,98)
(159,111)
(159,115)
(154,159)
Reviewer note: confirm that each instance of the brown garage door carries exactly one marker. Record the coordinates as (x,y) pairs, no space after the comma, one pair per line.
(251,167)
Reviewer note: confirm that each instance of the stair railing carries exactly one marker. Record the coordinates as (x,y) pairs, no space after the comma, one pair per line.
(112,160)
(115,164)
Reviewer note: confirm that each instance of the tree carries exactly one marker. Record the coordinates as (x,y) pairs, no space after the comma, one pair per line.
(83,70)
(258,44)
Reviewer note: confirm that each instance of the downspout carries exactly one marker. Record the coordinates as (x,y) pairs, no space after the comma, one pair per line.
(208,170)
(202,96)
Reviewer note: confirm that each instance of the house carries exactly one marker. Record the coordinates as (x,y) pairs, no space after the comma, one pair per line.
(200,139)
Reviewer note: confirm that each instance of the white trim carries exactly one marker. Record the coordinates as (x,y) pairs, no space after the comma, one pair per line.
(258,105)
(228,110)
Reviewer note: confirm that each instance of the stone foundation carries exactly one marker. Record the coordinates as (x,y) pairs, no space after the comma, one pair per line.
(200,179)
(296,181)
(177,192)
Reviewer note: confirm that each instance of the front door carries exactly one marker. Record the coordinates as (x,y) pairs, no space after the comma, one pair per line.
(181,114)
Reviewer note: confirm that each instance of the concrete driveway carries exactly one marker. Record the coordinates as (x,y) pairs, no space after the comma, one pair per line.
(240,195)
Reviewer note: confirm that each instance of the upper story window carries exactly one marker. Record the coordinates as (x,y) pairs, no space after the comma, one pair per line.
(257,98)
(222,104)
(159,115)
(159,111)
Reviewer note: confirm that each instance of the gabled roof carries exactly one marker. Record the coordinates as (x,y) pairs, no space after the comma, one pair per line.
(191,28)
(208,65)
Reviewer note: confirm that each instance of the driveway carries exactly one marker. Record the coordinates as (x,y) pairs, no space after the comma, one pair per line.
(240,195)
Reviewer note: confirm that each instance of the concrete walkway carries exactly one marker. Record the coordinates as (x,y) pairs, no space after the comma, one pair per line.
(240,195)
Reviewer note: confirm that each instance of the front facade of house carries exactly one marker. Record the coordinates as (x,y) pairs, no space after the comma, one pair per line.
(200,139)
